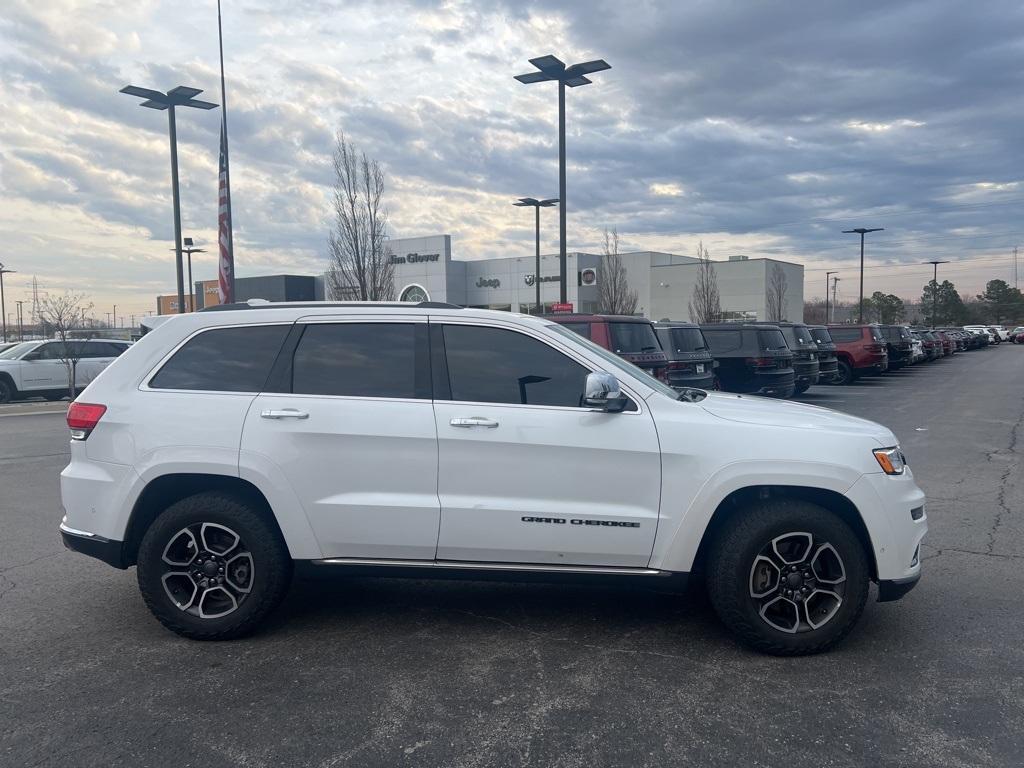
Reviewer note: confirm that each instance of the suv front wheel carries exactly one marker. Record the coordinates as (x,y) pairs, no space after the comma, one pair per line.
(789,577)
(211,567)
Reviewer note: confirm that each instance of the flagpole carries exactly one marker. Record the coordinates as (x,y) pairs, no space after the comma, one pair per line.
(227,163)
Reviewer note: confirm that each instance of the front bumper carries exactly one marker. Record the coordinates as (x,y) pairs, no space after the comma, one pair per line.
(110,551)
(894,589)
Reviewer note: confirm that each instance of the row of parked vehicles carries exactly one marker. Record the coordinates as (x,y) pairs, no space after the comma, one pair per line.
(773,359)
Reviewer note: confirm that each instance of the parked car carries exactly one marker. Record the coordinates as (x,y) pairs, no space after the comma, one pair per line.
(690,363)
(990,332)
(7,345)
(932,344)
(979,337)
(1017,335)
(860,349)
(37,368)
(898,345)
(917,354)
(805,354)
(226,448)
(948,346)
(752,358)
(631,338)
(828,363)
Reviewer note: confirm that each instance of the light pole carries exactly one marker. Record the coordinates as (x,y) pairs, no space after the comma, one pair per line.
(3,308)
(935,287)
(552,68)
(537,205)
(835,286)
(115,316)
(827,276)
(191,288)
(21,321)
(182,96)
(861,231)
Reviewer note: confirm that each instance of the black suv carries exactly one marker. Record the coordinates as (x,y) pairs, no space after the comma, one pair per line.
(805,353)
(690,363)
(828,363)
(899,344)
(752,358)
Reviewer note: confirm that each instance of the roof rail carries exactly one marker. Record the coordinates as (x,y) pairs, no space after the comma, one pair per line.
(264,304)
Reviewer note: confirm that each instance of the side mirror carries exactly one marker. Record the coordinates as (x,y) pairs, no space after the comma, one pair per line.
(602,393)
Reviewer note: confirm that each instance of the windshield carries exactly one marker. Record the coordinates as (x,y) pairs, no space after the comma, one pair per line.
(772,339)
(687,339)
(633,338)
(18,350)
(614,360)
(821,335)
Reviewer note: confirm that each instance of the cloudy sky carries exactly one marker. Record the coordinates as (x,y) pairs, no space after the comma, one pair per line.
(759,128)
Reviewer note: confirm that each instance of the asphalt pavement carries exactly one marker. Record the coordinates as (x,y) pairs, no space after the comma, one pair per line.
(395,672)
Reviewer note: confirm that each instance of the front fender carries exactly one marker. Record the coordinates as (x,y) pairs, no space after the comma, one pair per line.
(686,513)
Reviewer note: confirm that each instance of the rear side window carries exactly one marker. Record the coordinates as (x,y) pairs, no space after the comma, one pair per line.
(724,341)
(223,360)
(840,335)
(633,338)
(356,360)
(493,365)
(802,334)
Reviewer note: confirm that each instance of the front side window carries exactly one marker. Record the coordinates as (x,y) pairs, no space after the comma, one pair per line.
(223,360)
(494,365)
(15,352)
(356,360)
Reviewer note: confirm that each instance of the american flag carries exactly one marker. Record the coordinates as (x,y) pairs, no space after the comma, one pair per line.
(226,269)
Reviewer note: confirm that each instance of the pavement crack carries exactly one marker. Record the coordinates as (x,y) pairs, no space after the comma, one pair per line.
(1004,479)
(34,560)
(8,589)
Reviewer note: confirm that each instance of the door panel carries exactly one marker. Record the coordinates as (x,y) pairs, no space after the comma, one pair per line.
(365,470)
(525,482)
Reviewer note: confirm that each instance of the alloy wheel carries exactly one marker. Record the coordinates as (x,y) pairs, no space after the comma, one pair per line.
(207,570)
(797,582)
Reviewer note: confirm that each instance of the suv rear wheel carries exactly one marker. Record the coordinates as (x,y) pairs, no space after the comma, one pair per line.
(210,567)
(788,577)
(845,373)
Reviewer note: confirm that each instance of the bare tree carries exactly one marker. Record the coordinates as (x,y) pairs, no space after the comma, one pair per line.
(775,303)
(61,314)
(706,305)
(361,268)
(614,296)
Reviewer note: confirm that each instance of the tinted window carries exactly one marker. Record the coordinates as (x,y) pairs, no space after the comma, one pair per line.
(492,365)
(633,337)
(772,339)
(821,335)
(51,351)
(724,341)
(840,335)
(583,329)
(876,334)
(102,349)
(223,360)
(356,359)
(686,339)
(802,334)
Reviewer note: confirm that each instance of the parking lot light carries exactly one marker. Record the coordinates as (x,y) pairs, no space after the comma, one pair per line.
(537,205)
(552,68)
(861,231)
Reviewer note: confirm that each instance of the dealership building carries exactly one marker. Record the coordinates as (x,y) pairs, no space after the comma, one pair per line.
(425,270)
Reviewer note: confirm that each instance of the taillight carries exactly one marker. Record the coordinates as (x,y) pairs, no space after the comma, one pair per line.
(83,418)
(761,362)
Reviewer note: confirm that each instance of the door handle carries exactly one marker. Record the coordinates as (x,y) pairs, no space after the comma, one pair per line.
(473,421)
(284,413)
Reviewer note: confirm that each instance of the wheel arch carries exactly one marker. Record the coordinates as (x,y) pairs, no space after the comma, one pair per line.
(165,490)
(6,377)
(743,498)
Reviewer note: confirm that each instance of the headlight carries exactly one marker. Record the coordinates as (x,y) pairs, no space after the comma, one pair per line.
(891,460)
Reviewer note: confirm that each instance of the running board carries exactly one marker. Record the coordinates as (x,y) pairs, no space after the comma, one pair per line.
(467,566)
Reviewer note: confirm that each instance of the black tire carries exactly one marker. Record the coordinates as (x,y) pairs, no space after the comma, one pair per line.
(846,375)
(730,577)
(268,580)
(800,389)
(54,396)
(7,391)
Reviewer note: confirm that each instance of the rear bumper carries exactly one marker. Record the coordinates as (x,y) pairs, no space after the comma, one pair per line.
(698,380)
(779,384)
(110,551)
(806,373)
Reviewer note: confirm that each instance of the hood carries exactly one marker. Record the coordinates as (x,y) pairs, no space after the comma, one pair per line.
(750,409)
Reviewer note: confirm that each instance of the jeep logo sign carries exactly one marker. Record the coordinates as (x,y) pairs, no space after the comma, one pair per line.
(491,282)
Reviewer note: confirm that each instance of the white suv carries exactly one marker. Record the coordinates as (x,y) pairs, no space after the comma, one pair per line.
(38,367)
(227,446)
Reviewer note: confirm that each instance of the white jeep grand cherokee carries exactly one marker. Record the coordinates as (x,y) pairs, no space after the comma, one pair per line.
(227,446)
